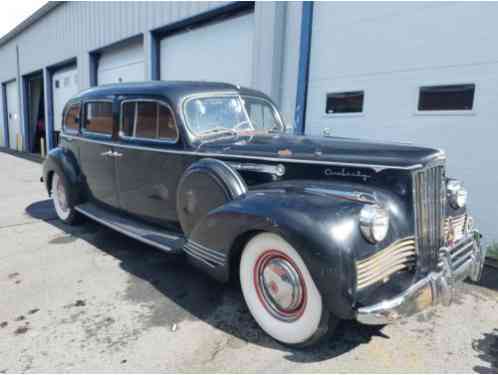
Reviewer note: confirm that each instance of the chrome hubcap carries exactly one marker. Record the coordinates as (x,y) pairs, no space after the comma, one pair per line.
(280,285)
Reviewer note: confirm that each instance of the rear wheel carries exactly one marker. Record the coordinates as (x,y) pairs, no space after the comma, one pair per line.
(280,292)
(59,195)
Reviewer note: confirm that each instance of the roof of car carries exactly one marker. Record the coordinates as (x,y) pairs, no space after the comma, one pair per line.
(174,90)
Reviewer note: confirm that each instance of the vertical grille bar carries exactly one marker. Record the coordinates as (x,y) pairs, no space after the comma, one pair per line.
(429,201)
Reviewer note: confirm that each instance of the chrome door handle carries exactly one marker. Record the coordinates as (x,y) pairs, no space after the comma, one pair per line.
(117,154)
(107,153)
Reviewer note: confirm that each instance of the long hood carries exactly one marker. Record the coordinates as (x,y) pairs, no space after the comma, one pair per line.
(344,151)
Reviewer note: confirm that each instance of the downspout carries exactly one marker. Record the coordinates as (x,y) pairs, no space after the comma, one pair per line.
(20,97)
(303,70)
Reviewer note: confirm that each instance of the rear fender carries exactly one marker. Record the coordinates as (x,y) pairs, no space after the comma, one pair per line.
(64,163)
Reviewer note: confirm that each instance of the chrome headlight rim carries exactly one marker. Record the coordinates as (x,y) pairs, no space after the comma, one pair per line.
(374,223)
(457,194)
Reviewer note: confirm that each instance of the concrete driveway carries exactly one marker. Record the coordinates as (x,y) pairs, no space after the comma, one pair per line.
(86,298)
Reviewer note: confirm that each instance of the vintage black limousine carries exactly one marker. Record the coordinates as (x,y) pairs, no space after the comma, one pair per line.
(316,229)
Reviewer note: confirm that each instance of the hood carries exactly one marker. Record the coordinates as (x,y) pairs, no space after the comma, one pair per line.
(345,151)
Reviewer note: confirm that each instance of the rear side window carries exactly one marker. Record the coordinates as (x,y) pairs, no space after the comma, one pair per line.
(72,118)
(98,118)
(148,120)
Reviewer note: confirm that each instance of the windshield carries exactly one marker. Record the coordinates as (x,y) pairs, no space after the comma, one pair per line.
(230,114)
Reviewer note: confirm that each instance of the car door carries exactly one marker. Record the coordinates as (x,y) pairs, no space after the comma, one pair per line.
(97,156)
(149,165)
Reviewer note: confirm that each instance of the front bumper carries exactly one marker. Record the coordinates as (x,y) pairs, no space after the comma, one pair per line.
(437,288)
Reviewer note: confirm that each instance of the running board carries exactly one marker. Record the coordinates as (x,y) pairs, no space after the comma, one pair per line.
(148,234)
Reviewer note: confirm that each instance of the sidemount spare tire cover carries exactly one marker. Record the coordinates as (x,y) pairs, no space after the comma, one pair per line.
(206,185)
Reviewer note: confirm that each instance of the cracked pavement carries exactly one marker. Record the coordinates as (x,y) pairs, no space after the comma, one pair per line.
(86,299)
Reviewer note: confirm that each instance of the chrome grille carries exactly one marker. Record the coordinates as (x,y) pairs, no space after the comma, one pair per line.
(398,256)
(429,207)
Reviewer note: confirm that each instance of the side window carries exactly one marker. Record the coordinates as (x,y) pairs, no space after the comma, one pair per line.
(147,120)
(167,126)
(72,118)
(98,118)
(262,115)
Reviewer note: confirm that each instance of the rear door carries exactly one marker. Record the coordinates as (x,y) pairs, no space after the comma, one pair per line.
(148,169)
(97,152)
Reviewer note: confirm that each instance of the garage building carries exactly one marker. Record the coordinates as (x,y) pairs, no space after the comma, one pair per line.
(413,72)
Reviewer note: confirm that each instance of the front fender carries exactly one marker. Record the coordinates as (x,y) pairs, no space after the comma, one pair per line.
(63,162)
(323,229)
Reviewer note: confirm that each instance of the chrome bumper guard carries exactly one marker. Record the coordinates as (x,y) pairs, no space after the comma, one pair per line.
(436,288)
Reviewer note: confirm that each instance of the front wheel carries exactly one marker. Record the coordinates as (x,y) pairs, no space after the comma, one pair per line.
(65,213)
(280,292)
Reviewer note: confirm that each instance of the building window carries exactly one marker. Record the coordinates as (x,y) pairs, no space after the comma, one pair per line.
(147,120)
(446,98)
(98,118)
(345,102)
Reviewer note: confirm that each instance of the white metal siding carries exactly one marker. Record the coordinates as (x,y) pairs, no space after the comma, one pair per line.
(13,123)
(74,28)
(122,64)
(64,86)
(389,51)
(217,52)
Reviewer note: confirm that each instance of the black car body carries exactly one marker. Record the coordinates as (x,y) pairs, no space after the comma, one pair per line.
(207,194)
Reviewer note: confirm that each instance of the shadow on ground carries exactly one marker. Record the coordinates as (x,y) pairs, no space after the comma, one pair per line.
(175,291)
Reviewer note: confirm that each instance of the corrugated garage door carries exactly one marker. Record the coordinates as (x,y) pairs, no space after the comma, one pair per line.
(217,52)
(124,63)
(381,55)
(64,86)
(13,120)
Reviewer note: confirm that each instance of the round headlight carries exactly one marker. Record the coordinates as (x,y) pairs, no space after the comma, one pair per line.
(457,194)
(374,223)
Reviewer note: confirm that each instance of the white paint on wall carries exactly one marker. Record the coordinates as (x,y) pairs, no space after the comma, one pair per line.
(390,51)
(220,51)
(125,63)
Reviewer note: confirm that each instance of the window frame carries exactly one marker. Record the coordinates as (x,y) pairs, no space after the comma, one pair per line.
(345,114)
(142,139)
(457,112)
(65,129)
(96,134)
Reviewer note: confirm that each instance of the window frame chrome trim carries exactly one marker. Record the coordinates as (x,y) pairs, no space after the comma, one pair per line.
(142,139)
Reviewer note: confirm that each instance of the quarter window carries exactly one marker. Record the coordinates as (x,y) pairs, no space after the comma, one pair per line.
(148,120)
(344,102)
(72,118)
(98,118)
(446,98)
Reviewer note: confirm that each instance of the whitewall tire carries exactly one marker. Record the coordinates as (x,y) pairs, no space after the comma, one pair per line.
(59,195)
(279,291)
